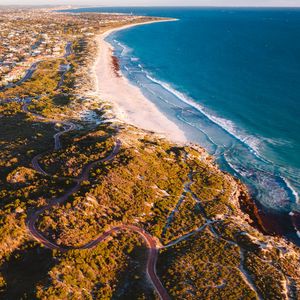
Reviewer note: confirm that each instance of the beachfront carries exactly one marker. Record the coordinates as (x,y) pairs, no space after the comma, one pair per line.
(128,102)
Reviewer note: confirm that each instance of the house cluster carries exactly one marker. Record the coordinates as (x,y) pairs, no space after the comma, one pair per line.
(31,35)
(24,41)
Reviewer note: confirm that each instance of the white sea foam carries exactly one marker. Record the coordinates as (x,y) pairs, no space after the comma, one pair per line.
(279,142)
(251,141)
(204,133)
(254,143)
(125,50)
(293,190)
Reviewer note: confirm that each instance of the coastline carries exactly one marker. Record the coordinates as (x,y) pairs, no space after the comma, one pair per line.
(130,112)
(129,105)
(91,201)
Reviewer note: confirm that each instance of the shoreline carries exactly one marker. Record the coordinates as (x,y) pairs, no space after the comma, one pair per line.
(129,105)
(118,91)
(91,199)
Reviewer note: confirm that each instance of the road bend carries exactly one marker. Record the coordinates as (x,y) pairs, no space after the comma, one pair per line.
(32,220)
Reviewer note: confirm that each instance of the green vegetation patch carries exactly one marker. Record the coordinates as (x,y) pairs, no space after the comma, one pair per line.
(203,267)
(97,273)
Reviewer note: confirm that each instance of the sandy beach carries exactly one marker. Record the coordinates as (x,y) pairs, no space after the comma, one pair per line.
(128,102)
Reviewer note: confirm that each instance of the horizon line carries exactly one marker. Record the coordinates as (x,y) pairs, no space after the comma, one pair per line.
(135,6)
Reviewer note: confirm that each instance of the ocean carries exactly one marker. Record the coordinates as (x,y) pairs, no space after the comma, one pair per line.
(230,78)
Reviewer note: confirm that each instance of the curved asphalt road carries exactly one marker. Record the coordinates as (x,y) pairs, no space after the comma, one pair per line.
(28,75)
(32,220)
(33,67)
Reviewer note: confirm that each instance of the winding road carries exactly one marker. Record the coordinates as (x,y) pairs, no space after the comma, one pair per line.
(33,218)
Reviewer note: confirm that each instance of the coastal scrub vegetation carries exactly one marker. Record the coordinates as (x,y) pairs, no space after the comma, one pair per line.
(114,269)
(57,142)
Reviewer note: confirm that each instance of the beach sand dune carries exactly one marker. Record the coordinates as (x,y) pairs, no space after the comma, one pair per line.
(128,102)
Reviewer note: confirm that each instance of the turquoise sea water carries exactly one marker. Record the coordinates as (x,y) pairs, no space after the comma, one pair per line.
(230,78)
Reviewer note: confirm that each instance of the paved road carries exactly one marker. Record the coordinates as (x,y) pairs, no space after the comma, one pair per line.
(33,67)
(32,220)
(152,254)
(29,73)
(150,241)
(27,76)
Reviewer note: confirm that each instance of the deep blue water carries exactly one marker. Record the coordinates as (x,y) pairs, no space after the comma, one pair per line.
(230,78)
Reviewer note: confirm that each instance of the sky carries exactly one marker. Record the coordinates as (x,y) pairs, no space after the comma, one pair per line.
(281,3)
